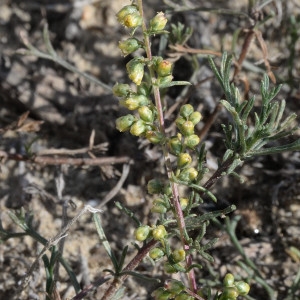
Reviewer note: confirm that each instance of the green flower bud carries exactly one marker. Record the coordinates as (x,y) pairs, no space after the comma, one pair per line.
(192,141)
(186,110)
(183,296)
(163,81)
(161,294)
(132,20)
(164,68)
(242,287)
(183,203)
(158,208)
(129,46)
(143,89)
(174,286)
(158,23)
(178,255)
(156,253)
(229,293)
(154,186)
(228,280)
(175,145)
(195,117)
(124,123)
(135,101)
(138,128)
(183,160)
(168,268)
(126,10)
(188,175)
(135,69)
(154,137)
(142,232)
(146,114)
(159,232)
(121,90)
(187,128)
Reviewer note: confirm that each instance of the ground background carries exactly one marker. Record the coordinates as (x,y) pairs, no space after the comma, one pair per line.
(71,107)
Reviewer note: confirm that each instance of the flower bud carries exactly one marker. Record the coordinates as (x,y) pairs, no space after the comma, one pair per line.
(132,20)
(175,145)
(242,287)
(164,81)
(158,208)
(135,69)
(228,280)
(195,117)
(174,286)
(159,232)
(178,255)
(168,268)
(146,114)
(138,128)
(164,68)
(156,253)
(186,110)
(154,137)
(128,46)
(154,186)
(187,128)
(183,203)
(183,160)
(142,232)
(161,294)
(144,89)
(188,175)
(124,123)
(192,141)
(158,23)
(126,10)
(135,101)
(229,293)
(121,89)
(183,296)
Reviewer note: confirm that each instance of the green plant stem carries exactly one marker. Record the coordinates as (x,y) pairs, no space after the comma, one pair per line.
(175,193)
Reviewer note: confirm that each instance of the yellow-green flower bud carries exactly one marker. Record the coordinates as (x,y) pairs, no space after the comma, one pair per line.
(124,123)
(158,23)
(159,232)
(229,293)
(168,268)
(134,101)
(228,280)
(128,46)
(188,175)
(192,141)
(174,286)
(175,145)
(135,69)
(132,20)
(161,294)
(154,186)
(156,253)
(183,296)
(126,10)
(142,233)
(158,208)
(242,287)
(146,114)
(164,81)
(183,160)
(121,89)
(187,128)
(154,137)
(195,117)
(164,68)
(186,110)
(178,255)
(183,203)
(138,128)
